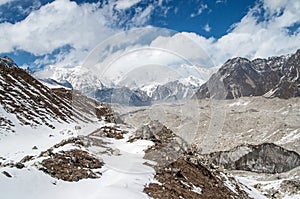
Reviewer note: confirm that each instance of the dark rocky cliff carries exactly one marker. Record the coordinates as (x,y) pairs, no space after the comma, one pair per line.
(238,77)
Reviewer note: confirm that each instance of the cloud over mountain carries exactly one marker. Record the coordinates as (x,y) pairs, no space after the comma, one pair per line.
(62,32)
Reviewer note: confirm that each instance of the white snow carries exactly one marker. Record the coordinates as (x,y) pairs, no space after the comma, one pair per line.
(192,81)
(150,88)
(228,183)
(123,176)
(197,189)
(249,189)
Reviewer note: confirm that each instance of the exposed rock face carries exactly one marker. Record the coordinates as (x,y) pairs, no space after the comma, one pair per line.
(106,113)
(167,147)
(184,179)
(264,158)
(123,96)
(170,91)
(289,83)
(275,77)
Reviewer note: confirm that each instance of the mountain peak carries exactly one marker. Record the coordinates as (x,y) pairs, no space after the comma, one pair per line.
(272,77)
(7,62)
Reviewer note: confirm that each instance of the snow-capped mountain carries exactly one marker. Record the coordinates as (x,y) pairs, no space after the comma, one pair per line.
(170,91)
(159,88)
(272,77)
(80,78)
(183,88)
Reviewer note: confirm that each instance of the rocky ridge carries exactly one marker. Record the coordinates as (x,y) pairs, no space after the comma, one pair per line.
(35,104)
(238,77)
(180,172)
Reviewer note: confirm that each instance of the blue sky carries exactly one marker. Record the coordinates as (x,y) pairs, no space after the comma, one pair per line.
(37,33)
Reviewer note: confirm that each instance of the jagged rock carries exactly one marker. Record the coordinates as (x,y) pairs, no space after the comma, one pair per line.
(35,104)
(272,77)
(290,186)
(154,131)
(289,83)
(74,140)
(263,158)
(116,152)
(286,187)
(77,127)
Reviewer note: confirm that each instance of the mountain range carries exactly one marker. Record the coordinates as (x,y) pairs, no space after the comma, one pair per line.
(239,77)
(57,141)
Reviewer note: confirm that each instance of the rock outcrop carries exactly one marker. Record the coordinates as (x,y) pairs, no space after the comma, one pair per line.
(72,165)
(184,179)
(35,104)
(167,147)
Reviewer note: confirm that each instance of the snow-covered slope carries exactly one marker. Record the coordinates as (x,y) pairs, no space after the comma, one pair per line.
(38,124)
(34,104)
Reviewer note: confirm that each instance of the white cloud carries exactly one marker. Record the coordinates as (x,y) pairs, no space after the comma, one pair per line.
(254,38)
(82,27)
(143,16)
(121,4)
(207,28)
(200,10)
(54,25)
(126,54)
(143,54)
